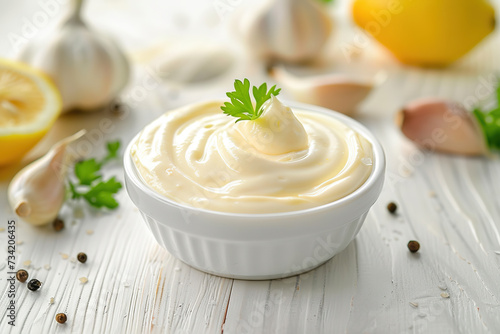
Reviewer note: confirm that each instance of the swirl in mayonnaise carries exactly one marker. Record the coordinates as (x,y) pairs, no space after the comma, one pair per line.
(283,161)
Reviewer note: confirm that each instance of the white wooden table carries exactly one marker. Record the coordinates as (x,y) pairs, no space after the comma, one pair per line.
(451,205)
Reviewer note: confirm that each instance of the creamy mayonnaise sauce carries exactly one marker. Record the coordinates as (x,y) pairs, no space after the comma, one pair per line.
(283,161)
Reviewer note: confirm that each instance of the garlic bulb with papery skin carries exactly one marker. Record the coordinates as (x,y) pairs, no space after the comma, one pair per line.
(88,68)
(443,126)
(37,192)
(333,91)
(286,30)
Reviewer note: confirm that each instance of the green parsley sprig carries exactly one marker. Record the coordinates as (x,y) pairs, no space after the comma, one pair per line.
(241,105)
(489,121)
(90,185)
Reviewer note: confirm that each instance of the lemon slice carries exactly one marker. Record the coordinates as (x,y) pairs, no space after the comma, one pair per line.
(29,105)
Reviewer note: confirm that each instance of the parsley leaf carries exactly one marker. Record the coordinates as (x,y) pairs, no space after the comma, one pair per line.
(86,171)
(73,192)
(101,195)
(489,121)
(113,148)
(90,185)
(261,95)
(241,105)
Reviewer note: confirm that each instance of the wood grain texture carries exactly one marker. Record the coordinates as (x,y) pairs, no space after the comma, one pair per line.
(449,204)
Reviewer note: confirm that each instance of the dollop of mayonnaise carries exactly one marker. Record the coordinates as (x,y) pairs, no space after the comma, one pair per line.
(283,161)
(276,131)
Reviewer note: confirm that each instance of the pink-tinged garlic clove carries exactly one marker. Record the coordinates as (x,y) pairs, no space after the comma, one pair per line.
(443,126)
(333,91)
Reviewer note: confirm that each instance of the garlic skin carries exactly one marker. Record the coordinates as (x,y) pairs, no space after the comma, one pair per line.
(442,126)
(37,192)
(88,68)
(333,91)
(286,30)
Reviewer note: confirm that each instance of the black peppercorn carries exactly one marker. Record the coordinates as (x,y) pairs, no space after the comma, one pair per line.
(61,318)
(82,257)
(22,275)
(392,207)
(58,224)
(117,109)
(34,284)
(413,246)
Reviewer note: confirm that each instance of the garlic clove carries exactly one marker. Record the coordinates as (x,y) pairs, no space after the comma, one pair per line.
(333,91)
(443,126)
(37,192)
(88,68)
(194,62)
(285,30)
(23,209)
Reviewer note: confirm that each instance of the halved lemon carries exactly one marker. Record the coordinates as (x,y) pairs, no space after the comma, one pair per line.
(29,105)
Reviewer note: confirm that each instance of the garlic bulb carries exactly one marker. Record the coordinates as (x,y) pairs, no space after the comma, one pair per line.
(88,68)
(442,126)
(37,192)
(333,91)
(286,30)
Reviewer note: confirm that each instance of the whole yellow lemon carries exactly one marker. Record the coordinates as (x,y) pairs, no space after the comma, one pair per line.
(426,32)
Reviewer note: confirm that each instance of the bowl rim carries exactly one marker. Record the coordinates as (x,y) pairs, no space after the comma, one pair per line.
(378,171)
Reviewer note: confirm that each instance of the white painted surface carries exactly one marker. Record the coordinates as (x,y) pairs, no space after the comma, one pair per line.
(450,204)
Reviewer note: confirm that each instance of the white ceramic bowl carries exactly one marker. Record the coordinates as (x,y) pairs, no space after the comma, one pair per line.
(258,246)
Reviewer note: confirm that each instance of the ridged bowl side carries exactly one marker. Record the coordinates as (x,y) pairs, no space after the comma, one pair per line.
(254,259)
